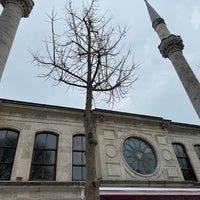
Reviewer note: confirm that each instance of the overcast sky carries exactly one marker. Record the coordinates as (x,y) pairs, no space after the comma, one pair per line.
(158,91)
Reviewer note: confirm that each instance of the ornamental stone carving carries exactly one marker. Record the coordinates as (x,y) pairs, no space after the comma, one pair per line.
(111,150)
(166,154)
(26,5)
(170,45)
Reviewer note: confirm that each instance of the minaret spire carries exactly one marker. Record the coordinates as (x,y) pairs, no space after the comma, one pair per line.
(152,13)
(158,23)
(171,47)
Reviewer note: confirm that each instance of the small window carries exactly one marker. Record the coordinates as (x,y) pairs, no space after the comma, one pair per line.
(8,144)
(184,162)
(197,148)
(79,159)
(44,157)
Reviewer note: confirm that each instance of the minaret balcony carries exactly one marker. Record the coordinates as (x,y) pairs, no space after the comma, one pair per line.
(25,5)
(170,44)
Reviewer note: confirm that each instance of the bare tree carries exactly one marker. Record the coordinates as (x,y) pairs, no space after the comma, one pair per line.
(88,55)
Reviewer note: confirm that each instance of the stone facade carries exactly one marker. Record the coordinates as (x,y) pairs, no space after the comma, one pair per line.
(112,130)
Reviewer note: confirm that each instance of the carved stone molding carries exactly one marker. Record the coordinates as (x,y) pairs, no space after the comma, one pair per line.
(166,154)
(157,21)
(170,45)
(111,150)
(26,5)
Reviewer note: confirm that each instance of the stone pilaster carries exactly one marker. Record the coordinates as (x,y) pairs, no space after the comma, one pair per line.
(13,11)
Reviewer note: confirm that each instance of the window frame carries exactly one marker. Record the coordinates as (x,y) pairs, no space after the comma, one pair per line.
(82,150)
(197,150)
(11,163)
(45,150)
(181,158)
(139,155)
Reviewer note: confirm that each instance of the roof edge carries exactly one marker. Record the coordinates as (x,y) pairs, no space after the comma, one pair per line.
(97,111)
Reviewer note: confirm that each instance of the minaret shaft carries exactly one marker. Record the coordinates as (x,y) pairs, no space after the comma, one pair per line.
(188,79)
(162,31)
(171,47)
(13,11)
(9,22)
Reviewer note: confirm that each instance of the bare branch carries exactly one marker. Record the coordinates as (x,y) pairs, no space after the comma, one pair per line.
(89,55)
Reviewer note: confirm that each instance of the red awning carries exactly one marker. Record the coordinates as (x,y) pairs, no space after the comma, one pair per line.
(149,194)
(110,197)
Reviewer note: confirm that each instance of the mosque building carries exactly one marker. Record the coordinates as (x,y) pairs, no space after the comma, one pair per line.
(139,157)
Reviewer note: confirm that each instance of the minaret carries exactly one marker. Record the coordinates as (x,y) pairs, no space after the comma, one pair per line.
(10,17)
(171,47)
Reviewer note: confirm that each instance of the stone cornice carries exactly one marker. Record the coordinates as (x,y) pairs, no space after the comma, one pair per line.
(42,183)
(25,5)
(170,45)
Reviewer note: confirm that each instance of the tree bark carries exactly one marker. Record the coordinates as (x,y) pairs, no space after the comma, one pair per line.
(92,184)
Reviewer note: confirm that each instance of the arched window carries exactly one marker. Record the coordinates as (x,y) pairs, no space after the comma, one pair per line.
(184,162)
(78,158)
(44,157)
(8,144)
(197,148)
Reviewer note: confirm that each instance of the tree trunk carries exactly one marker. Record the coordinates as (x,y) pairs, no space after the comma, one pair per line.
(92,184)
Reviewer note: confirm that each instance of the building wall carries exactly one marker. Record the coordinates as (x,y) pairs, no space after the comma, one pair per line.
(112,129)
(50,191)
(30,121)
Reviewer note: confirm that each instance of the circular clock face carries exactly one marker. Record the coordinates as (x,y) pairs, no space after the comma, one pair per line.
(139,155)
